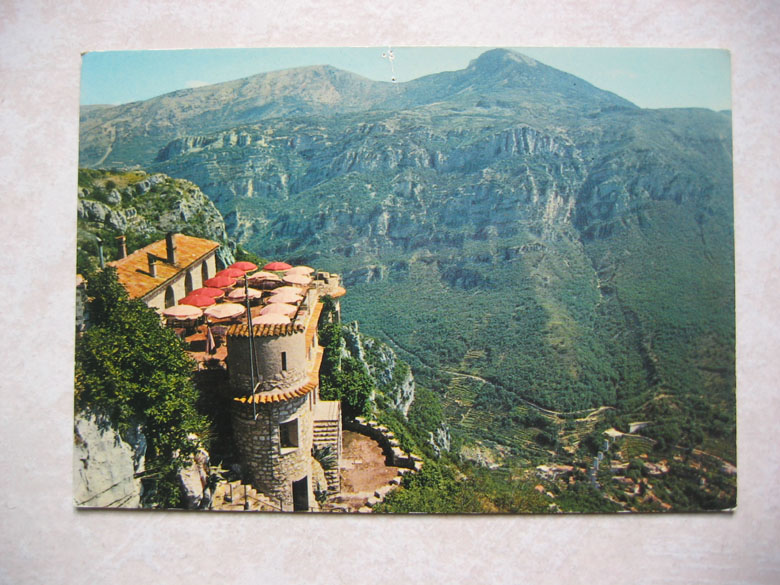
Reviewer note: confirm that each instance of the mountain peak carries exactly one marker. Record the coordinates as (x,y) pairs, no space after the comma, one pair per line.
(499,58)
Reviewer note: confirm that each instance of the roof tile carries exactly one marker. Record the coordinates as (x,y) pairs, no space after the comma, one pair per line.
(133,270)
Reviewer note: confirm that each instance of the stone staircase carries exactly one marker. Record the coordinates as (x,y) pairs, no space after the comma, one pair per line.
(233,496)
(327,432)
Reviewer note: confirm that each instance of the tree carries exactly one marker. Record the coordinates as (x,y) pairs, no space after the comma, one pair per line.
(343,378)
(136,372)
(243,255)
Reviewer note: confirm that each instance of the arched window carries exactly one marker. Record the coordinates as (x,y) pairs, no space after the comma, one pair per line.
(188,288)
(204,272)
(170,299)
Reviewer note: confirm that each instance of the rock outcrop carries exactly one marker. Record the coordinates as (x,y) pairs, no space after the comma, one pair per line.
(194,481)
(105,464)
(145,207)
(393,377)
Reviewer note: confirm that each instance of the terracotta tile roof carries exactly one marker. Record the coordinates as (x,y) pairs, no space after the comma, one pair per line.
(242,330)
(310,384)
(133,270)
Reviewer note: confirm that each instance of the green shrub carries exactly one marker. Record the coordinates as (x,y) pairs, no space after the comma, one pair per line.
(136,372)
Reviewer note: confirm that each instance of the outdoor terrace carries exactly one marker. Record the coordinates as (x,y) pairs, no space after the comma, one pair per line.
(280,302)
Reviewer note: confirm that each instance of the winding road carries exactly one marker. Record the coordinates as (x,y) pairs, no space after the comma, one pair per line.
(587,411)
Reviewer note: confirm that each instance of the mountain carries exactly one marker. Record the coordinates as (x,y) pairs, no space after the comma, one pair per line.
(132,133)
(522,238)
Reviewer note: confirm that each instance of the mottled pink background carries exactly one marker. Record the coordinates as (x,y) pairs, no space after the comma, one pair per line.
(43,539)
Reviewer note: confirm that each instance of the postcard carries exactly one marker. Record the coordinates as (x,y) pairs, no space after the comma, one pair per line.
(391,280)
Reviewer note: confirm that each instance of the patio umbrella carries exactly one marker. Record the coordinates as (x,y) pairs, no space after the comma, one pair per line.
(216,293)
(296,279)
(182,312)
(278,309)
(277,266)
(301,270)
(271,320)
(225,311)
(244,266)
(285,297)
(238,294)
(197,300)
(296,290)
(230,273)
(220,282)
(262,275)
(265,284)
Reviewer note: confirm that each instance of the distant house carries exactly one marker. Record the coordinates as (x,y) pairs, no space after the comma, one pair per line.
(164,272)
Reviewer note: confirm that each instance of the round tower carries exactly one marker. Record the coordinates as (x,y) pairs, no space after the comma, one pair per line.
(273,426)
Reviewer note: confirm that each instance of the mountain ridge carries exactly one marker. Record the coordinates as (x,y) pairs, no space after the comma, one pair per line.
(305,91)
(516,192)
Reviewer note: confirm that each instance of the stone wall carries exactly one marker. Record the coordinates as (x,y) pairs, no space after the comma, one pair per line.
(268,357)
(396,456)
(268,466)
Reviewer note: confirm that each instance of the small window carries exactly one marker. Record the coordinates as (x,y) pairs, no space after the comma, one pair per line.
(284,361)
(188,287)
(204,272)
(288,434)
(170,298)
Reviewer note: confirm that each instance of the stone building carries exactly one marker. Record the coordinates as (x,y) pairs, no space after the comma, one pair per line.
(279,422)
(279,426)
(164,272)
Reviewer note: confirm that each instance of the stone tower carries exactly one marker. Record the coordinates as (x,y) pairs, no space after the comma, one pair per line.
(274,427)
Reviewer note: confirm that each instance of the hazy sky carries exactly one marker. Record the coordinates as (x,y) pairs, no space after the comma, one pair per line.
(651,78)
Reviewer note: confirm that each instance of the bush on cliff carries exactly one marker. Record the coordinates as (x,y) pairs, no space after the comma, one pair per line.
(135,371)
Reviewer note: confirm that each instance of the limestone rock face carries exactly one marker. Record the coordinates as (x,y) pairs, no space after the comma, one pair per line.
(114,198)
(393,378)
(193,481)
(149,207)
(92,210)
(104,465)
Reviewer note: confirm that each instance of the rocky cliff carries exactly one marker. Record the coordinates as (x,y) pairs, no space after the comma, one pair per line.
(393,378)
(143,207)
(105,465)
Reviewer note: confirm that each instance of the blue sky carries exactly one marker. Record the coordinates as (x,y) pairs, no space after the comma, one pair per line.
(651,78)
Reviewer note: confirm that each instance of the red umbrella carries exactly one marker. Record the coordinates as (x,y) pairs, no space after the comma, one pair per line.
(244,266)
(216,293)
(230,273)
(220,282)
(197,300)
(277,266)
